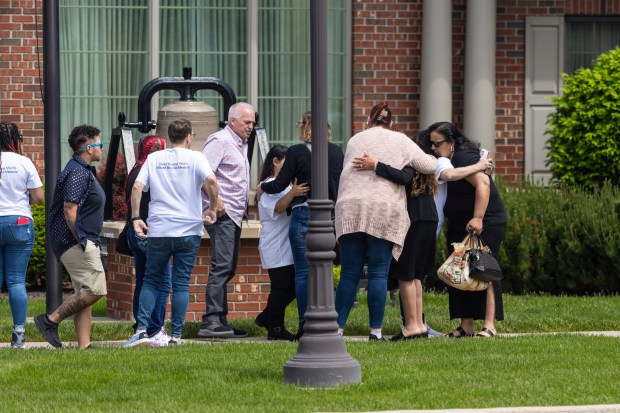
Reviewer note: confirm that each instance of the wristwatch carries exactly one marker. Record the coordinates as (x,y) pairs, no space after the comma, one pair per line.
(132,219)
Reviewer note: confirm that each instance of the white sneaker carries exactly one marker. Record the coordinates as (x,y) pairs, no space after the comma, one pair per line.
(160,339)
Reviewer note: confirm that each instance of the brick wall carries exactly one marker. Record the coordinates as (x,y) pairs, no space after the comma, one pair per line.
(21,25)
(386,64)
(247,291)
(387,38)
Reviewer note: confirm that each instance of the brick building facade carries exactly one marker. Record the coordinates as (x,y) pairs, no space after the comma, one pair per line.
(386,59)
(387,38)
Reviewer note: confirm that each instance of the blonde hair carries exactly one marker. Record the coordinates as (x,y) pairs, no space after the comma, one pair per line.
(305,128)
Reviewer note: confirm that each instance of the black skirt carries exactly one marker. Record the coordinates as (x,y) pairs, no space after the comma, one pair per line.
(418,257)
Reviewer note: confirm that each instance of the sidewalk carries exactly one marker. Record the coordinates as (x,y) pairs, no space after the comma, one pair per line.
(118,343)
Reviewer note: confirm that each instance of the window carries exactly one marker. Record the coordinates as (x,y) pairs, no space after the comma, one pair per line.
(105,58)
(587,38)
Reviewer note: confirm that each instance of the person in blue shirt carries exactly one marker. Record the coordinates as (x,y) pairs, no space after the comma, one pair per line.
(76,220)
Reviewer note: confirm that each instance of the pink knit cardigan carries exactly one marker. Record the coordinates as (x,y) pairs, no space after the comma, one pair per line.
(371,204)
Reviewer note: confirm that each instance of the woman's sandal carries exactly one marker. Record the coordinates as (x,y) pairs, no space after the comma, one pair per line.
(488,332)
(461,331)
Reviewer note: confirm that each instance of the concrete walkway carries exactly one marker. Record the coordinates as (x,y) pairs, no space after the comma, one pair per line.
(117,343)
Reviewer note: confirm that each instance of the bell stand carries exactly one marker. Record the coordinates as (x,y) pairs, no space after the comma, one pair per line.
(187,86)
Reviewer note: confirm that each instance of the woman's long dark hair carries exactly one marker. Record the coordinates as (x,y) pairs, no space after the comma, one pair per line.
(276,152)
(453,135)
(423,182)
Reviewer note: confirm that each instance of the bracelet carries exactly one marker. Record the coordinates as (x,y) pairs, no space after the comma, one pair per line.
(132,219)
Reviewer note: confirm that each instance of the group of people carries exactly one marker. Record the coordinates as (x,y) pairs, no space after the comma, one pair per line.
(390,193)
(391,196)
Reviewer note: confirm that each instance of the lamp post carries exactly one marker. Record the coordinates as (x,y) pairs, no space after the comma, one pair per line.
(51,138)
(322,359)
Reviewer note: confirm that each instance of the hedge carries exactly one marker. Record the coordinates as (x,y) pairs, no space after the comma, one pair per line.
(558,240)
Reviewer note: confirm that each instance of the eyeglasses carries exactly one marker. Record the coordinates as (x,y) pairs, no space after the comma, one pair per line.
(100,144)
(437,144)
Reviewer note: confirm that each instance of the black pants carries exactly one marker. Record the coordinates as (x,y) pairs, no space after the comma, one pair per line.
(282,293)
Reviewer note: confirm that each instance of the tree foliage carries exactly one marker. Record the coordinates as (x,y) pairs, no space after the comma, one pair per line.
(584,147)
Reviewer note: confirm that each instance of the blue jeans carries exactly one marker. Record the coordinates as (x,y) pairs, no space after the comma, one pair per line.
(160,249)
(354,248)
(297,231)
(16,242)
(139,248)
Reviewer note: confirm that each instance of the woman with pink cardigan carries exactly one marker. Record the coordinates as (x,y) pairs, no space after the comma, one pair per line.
(371,214)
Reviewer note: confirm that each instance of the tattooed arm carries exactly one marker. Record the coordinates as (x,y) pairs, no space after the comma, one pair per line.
(70,209)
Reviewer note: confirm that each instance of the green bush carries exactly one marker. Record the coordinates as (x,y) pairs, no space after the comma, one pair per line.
(585,128)
(559,241)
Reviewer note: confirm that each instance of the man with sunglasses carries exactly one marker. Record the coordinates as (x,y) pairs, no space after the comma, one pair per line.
(76,219)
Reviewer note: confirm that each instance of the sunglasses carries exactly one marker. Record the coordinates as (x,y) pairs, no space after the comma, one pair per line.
(100,144)
(437,144)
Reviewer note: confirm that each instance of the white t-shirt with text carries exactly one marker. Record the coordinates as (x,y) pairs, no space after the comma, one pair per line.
(175,177)
(18,176)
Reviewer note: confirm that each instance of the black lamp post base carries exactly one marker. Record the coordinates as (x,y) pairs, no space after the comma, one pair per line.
(332,367)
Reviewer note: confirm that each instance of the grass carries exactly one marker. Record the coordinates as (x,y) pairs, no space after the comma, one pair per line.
(531,370)
(242,377)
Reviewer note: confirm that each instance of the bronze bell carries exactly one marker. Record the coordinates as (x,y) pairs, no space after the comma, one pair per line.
(202,116)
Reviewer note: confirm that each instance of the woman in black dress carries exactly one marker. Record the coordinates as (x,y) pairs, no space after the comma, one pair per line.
(417,259)
(473,204)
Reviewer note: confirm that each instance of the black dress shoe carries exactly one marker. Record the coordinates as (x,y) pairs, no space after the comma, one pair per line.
(280,333)
(401,337)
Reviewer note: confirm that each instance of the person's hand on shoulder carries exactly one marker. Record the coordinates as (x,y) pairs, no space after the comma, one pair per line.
(364,163)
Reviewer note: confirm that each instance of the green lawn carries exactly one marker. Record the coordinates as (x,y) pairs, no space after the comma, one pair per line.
(532,370)
(242,377)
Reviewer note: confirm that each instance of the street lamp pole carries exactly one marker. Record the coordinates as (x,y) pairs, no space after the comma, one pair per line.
(322,359)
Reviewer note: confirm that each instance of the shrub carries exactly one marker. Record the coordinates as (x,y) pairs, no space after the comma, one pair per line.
(585,128)
(562,240)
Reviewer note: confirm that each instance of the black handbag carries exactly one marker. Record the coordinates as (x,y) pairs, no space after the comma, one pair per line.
(122,245)
(483,266)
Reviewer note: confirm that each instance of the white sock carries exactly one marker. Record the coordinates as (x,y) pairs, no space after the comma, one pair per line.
(376,334)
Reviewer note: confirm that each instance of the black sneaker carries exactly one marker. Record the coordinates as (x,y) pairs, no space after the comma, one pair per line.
(48,329)
(215,329)
(238,333)
(372,337)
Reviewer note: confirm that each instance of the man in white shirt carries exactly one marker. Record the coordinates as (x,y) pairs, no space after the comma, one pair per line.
(176,178)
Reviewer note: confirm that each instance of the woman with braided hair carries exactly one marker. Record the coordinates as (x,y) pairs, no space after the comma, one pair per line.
(20,186)
(138,245)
